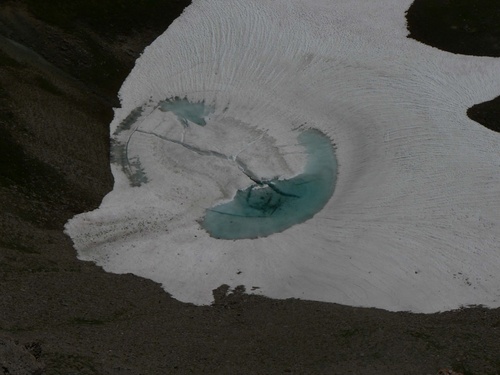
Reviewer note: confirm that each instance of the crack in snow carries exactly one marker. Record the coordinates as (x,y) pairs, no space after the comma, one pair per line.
(233,158)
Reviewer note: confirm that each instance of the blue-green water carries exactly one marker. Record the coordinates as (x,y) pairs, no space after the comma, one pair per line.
(186,110)
(275,205)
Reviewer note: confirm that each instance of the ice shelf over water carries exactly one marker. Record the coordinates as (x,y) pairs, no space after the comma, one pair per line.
(221,99)
(271,206)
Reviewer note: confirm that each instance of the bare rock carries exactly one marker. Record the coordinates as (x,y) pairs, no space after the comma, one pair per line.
(17,359)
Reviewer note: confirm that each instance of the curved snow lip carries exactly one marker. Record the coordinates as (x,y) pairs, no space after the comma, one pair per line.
(268,206)
(186,113)
(271,206)
(414,222)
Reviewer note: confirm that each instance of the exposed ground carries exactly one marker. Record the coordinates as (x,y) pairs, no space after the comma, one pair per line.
(459,26)
(55,108)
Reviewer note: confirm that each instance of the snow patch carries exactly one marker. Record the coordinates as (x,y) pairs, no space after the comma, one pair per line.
(414,222)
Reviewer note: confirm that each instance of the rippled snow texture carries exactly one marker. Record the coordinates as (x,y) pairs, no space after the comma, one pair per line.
(414,222)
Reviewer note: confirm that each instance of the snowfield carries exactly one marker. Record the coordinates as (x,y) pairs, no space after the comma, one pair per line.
(414,219)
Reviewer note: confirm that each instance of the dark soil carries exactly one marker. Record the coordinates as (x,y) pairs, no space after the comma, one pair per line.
(487,114)
(467,27)
(73,318)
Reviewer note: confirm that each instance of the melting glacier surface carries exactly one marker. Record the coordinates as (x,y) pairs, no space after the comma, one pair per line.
(271,206)
(221,113)
(186,111)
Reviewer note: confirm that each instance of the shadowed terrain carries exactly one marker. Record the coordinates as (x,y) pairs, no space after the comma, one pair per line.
(487,114)
(459,26)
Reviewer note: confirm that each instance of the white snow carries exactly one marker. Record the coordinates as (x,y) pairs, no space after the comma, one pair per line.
(414,221)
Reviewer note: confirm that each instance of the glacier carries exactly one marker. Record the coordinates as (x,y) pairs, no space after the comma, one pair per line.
(221,99)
